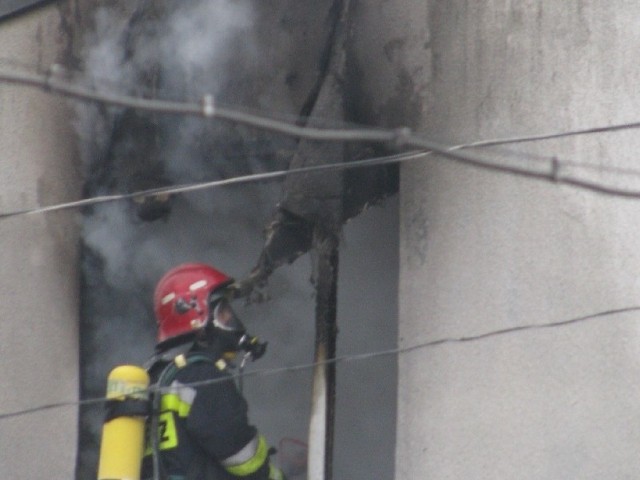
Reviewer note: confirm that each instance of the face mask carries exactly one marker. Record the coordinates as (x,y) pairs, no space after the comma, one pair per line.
(228,330)
(225,319)
(225,327)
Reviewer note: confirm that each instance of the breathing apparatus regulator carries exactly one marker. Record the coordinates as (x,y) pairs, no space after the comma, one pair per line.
(252,346)
(227,330)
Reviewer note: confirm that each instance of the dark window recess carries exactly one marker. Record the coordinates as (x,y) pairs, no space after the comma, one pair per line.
(11,7)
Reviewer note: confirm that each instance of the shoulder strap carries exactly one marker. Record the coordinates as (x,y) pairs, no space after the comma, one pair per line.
(167,374)
(180,361)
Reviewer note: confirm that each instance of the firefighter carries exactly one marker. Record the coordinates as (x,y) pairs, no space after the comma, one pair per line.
(199,427)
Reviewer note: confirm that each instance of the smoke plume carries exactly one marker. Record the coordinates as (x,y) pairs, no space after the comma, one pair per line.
(182,51)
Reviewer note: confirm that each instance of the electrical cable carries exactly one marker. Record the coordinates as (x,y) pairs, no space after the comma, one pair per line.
(256,177)
(556,135)
(50,83)
(370,162)
(355,357)
(401,137)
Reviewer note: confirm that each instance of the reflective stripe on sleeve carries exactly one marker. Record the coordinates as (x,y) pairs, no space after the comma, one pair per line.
(275,473)
(178,400)
(249,459)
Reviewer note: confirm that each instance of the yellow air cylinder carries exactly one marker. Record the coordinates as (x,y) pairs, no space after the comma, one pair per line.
(123,439)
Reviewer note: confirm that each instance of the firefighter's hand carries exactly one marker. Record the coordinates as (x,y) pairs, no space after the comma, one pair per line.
(258,350)
(254,346)
(275,473)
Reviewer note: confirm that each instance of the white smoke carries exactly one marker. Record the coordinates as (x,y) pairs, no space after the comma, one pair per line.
(202,34)
(103,58)
(206,47)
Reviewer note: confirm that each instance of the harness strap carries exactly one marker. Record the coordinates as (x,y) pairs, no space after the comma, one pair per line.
(129,407)
(171,370)
(165,379)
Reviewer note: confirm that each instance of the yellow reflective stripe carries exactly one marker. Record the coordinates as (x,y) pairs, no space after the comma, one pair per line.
(167,431)
(254,463)
(275,473)
(167,434)
(172,402)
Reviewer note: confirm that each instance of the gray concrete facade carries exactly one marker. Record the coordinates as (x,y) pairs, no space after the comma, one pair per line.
(483,251)
(38,259)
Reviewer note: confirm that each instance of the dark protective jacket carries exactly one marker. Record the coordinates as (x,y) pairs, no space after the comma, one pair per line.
(202,423)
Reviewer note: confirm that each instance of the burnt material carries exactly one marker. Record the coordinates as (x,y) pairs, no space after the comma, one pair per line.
(310,216)
(321,201)
(326,282)
(311,201)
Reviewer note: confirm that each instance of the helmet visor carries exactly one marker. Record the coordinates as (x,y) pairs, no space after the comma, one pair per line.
(225,318)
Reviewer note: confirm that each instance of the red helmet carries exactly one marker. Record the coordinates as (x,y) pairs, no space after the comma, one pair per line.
(182,298)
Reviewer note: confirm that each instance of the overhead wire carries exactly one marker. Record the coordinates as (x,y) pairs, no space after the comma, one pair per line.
(208,109)
(255,177)
(555,135)
(263,176)
(553,170)
(356,357)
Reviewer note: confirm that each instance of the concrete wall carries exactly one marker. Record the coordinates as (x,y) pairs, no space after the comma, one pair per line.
(482,252)
(38,260)
(485,251)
